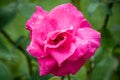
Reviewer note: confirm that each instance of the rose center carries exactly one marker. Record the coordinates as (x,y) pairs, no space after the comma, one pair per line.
(58,39)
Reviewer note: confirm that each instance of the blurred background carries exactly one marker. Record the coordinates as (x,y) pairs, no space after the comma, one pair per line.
(17,64)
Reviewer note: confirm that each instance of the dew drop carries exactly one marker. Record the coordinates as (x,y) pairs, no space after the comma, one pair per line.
(40,17)
(42,56)
(71,27)
(68,10)
(32,23)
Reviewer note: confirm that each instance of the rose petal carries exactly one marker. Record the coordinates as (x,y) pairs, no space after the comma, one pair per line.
(53,35)
(69,67)
(85,23)
(46,65)
(88,34)
(67,17)
(80,51)
(40,23)
(62,53)
(35,50)
(36,18)
(88,42)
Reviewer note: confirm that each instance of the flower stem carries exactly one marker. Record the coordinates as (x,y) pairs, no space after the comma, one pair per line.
(62,78)
(110,5)
(69,77)
(19,48)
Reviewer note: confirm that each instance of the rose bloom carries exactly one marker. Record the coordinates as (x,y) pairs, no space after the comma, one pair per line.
(61,40)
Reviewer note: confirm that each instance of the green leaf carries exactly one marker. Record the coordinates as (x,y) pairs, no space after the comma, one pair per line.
(100,54)
(114,20)
(104,69)
(26,9)
(115,31)
(36,76)
(4,72)
(6,2)
(49,4)
(14,60)
(95,0)
(92,8)
(7,12)
(105,8)
(81,74)
(107,40)
(111,1)
(97,17)
(4,52)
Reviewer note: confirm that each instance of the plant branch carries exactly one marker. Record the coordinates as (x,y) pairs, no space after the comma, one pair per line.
(110,5)
(20,48)
(69,77)
(62,78)
(89,69)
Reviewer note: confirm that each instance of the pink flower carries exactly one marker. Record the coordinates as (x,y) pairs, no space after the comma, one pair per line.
(61,40)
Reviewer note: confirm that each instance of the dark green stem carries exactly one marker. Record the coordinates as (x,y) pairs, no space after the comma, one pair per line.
(69,77)
(110,5)
(62,78)
(89,69)
(20,48)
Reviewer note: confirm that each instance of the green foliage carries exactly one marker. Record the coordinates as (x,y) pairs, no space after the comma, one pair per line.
(49,4)
(104,69)
(36,76)
(16,64)
(4,72)
(107,40)
(26,9)
(92,8)
(82,74)
(54,78)
(115,31)
(7,11)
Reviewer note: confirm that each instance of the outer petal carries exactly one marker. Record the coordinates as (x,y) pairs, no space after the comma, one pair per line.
(69,67)
(46,65)
(35,50)
(88,40)
(36,18)
(39,25)
(67,16)
(80,51)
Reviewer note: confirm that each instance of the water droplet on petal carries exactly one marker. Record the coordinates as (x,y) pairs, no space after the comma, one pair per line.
(82,29)
(68,10)
(42,56)
(40,17)
(32,23)
(71,27)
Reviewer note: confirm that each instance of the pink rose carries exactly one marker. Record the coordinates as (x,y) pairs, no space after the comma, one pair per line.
(61,40)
